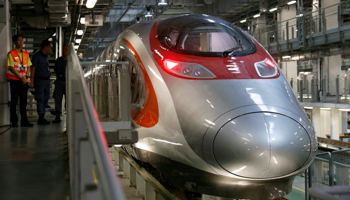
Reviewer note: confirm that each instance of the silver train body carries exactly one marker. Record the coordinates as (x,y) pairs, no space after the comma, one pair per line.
(221,120)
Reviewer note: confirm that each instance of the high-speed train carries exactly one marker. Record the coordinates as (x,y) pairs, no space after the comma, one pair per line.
(213,111)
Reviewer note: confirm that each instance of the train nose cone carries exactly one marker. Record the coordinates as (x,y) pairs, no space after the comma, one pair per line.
(261,145)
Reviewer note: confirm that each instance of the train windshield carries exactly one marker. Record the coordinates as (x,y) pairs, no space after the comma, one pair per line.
(212,38)
(205,38)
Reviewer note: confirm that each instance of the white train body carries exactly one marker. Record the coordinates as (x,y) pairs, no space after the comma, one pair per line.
(220,120)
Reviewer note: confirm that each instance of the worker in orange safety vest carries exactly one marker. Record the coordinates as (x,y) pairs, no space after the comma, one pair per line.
(18,69)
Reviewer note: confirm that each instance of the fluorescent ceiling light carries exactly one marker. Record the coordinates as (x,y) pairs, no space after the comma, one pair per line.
(308,107)
(325,108)
(54,35)
(76,46)
(285,56)
(80,32)
(334,49)
(291,2)
(257,15)
(343,109)
(82,20)
(162,3)
(148,14)
(244,20)
(77,40)
(273,9)
(90,3)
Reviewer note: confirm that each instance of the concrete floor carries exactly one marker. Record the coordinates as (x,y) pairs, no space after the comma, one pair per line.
(34,163)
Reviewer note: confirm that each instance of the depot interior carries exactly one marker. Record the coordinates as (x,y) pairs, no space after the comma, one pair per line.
(309,39)
(317,69)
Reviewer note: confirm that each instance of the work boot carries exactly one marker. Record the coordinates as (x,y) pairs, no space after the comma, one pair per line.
(26,123)
(14,125)
(57,119)
(42,120)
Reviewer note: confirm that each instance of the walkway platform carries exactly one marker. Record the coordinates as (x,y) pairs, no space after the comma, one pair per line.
(34,163)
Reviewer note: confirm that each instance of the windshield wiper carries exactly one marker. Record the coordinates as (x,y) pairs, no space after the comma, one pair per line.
(231,51)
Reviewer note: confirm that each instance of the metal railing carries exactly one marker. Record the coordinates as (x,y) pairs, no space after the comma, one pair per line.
(306,24)
(92,173)
(109,85)
(329,169)
(321,90)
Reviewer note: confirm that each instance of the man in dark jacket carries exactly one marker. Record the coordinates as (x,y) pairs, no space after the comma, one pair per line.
(60,83)
(40,79)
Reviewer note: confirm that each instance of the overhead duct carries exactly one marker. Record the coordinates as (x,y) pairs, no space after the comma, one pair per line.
(59,14)
(39,21)
(39,6)
(209,1)
(58,6)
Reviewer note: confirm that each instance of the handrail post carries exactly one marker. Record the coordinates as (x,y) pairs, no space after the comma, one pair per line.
(312,89)
(307,88)
(337,88)
(301,90)
(324,89)
(330,172)
(346,88)
(287,34)
(268,39)
(339,23)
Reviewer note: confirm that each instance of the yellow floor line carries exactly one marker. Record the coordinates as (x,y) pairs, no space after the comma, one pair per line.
(298,189)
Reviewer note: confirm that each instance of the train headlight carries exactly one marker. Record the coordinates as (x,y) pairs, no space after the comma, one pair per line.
(266,68)
(190,70)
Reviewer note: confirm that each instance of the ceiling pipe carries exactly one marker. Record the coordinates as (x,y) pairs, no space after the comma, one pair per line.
(139,14)
(118,20)
(76,23)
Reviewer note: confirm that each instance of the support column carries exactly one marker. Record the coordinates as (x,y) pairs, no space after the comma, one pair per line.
(5,40)
(60,41)
(331,16)
(335,120)
(332,69)
(316,116)
(344,122)
(325,125)
(289,69)
(56,44)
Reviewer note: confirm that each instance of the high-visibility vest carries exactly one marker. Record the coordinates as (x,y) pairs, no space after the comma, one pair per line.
(17,65)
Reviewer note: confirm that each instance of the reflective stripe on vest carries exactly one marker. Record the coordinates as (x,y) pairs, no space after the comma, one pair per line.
(17,65)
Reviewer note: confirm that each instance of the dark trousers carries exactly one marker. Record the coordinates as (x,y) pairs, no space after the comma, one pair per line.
(42,94)
(60,90)
(18,89)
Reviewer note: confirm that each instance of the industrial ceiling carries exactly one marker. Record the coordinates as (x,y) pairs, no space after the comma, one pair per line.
(38,19)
